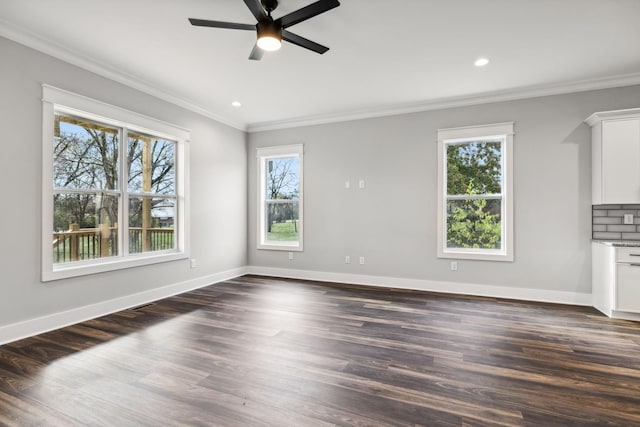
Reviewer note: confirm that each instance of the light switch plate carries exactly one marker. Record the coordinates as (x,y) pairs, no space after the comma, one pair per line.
(628,218)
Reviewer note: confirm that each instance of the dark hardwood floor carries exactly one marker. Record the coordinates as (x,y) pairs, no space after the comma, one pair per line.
(259,351)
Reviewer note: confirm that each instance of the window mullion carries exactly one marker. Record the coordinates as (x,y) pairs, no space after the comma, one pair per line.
(154,195)
(280,201)
(123,240)
(59,190)
(474,196)
(176,202)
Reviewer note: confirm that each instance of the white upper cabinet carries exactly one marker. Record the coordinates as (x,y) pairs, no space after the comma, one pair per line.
(616,156)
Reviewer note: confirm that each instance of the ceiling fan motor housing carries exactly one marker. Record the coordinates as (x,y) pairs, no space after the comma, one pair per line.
(269,5)
(269,29)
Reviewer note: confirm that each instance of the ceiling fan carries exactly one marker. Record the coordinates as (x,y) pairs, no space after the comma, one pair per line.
(271,32)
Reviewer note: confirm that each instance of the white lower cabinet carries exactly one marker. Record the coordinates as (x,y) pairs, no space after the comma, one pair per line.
(616,280)
(627,289)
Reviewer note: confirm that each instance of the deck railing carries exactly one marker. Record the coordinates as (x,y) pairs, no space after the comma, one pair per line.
(78,244)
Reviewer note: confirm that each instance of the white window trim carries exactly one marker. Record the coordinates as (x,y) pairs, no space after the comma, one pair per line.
(470,133)
(266,153)
(59,100)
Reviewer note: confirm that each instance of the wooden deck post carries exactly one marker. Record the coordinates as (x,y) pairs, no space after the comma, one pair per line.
(75,242)
(105,234)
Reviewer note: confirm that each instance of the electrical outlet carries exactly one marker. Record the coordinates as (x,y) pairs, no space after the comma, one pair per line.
(361,184)
(628,218)
(290,256)
(194,263)
(361,260)
(347,184)
(347,259)
(454,265)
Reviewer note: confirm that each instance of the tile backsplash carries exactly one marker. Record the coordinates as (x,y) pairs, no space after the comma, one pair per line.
(608,222)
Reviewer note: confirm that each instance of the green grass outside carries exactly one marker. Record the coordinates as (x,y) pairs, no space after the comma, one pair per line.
(284,231)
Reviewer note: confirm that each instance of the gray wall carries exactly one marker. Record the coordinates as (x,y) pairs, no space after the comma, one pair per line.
(393,221)
(218,190)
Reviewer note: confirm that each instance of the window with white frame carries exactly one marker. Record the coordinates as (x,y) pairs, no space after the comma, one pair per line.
(280,219)
(114,187)
(475,186)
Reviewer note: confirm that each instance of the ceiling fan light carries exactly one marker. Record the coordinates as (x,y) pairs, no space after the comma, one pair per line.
(269,43)
(269,36)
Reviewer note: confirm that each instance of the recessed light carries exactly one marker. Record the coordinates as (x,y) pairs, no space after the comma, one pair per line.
(236,104)
(481,62)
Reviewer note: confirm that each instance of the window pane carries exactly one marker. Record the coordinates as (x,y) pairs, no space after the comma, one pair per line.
(282,178)
(151,163)
(474,224)
(85,154)
(85,226)
(474,168)
(151,224)
(283,221)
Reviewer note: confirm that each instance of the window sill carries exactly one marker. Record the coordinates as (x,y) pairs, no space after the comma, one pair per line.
(476,255)
(280,247)
(81,268)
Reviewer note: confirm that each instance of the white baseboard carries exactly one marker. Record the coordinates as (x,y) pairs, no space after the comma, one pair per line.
(28,328)
(527,294)
(624,315)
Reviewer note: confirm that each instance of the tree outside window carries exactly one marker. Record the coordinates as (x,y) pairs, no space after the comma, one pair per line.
(474,188)
(282,199)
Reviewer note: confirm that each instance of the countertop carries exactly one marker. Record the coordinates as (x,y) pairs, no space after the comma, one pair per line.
(620,243)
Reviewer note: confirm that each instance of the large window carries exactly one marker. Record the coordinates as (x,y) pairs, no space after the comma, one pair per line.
(280,198)
(113,187)
(475,204)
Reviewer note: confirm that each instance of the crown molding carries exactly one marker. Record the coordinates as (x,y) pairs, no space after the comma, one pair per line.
(33,41)
(452,102)
(615,114)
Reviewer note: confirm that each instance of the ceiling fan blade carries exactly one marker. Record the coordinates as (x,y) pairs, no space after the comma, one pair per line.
(221,24)
(306,12)
(256,9)
(302,42)
(256,53)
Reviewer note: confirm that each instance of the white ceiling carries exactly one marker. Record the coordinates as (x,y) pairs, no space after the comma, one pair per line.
(385,56)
